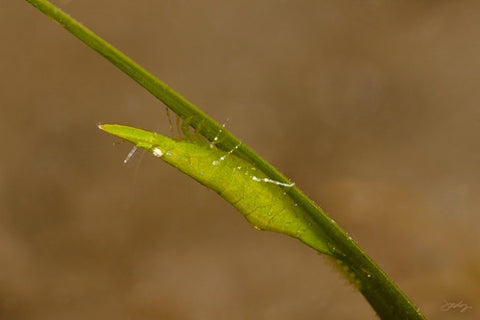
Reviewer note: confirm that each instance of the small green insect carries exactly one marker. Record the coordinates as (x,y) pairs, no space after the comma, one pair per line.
(262,201)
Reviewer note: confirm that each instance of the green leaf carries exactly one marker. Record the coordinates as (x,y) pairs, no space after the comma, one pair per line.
(263,201)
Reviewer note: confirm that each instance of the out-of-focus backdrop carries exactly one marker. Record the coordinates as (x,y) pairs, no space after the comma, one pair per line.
(371,107)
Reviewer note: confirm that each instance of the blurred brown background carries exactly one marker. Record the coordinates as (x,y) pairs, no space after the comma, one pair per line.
(371,107)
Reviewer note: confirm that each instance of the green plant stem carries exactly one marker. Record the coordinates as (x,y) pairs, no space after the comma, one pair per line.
(384,296)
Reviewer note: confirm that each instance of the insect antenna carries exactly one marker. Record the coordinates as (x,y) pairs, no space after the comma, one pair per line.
(216,162)
(217,137)
(130,154)
(170,123)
